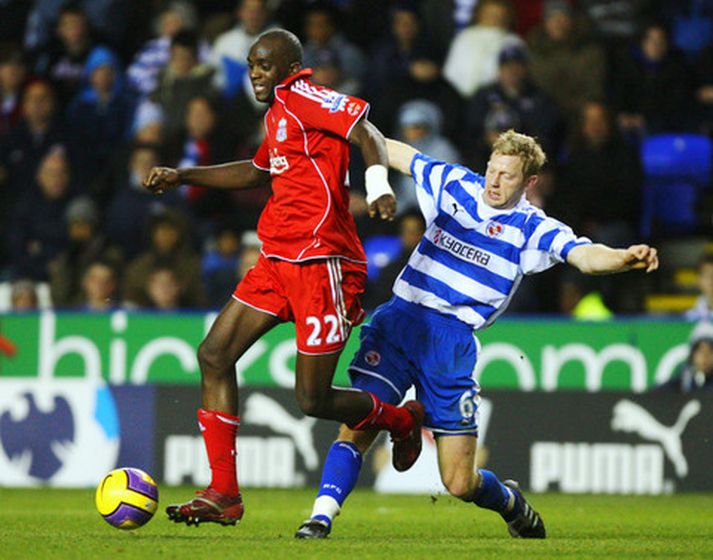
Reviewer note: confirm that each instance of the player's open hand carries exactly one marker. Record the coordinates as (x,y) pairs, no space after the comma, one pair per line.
(384,207)
(638,257)
(161,179)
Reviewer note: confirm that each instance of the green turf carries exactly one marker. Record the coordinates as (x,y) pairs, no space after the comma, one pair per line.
(45,524)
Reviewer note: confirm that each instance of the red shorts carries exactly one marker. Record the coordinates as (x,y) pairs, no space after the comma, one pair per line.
(321,296)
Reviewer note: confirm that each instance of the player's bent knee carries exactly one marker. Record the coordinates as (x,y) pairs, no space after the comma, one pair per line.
(212,358)
(311,404)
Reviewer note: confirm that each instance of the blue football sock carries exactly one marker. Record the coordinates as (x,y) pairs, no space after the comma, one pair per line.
(493,494)
(339,476)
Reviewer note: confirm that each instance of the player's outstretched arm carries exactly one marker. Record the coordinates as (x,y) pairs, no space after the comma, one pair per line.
(600,259)
(379,195)
(400,155)
(234,175)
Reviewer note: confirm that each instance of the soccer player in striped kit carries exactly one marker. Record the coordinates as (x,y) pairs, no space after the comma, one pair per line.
(312,268)
(482,236)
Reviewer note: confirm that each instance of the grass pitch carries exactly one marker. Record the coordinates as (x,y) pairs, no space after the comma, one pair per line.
(48,523)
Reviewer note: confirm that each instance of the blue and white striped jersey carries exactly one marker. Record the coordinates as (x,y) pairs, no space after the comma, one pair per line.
(472,257)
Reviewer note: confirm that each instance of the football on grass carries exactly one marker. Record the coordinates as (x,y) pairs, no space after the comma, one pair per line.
(127,498)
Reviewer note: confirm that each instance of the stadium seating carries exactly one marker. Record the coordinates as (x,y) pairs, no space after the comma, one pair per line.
(677,167)
(380,251)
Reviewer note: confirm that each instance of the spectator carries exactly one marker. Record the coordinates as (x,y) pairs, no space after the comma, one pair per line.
(532,110)
(580,299)
(202,142)
(697,373)
(405,56)
(110,17)
(327,70)
(23,295)
(230,51)
(22,149)
(13,71)
(653,86)
(183,79)
(564,63)
(100,287)
(39,130)
(220,266)
(497,120)
(132,199)
(169,247)
(99,117)
(322,33)
(151,59)
(63,61)
(411,229)
(599,168)
(419,125)
(86,244)
(488,35)
(38,231)
(164,289)
(703,310)
(406,65)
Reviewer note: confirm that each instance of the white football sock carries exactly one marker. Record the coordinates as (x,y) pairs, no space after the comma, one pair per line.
(326,506)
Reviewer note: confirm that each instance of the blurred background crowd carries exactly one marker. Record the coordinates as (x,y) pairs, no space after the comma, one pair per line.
(94,93)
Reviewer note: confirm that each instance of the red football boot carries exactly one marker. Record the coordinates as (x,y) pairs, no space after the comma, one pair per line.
(408,447)
(208,506)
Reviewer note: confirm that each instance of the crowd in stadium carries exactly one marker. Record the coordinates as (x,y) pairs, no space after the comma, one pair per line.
(95,93)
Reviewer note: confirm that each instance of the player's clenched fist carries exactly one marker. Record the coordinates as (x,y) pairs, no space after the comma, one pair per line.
(161,179)
(384,206)
(641,256)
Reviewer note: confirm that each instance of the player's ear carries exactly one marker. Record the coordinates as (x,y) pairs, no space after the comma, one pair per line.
(295,67)
(531,181)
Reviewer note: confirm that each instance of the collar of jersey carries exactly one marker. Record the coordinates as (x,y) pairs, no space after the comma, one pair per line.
(304,73)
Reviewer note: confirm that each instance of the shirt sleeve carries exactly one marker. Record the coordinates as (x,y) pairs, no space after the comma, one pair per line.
(431,176)
(327,110)
(261,160)
(549,244)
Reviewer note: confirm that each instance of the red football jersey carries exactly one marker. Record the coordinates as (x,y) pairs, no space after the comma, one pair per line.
(307,154)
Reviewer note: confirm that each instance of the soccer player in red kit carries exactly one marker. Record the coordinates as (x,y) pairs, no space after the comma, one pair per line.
(312,269)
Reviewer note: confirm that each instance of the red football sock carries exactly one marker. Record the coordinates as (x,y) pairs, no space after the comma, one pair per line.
(385,416)
(219,430)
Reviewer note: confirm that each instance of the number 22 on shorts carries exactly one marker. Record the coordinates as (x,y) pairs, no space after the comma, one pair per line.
(331,326)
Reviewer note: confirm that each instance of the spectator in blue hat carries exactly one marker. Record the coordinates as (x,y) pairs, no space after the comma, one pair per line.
(99,117)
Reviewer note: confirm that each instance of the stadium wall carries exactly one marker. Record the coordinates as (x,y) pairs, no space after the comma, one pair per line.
(71,432)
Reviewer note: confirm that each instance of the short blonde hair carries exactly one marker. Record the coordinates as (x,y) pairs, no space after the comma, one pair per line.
(531,154)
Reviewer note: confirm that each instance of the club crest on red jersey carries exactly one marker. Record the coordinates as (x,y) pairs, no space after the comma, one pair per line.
(494,229)
(354,108)
(281,134)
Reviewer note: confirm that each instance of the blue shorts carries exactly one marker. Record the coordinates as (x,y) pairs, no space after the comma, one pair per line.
(407,345)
